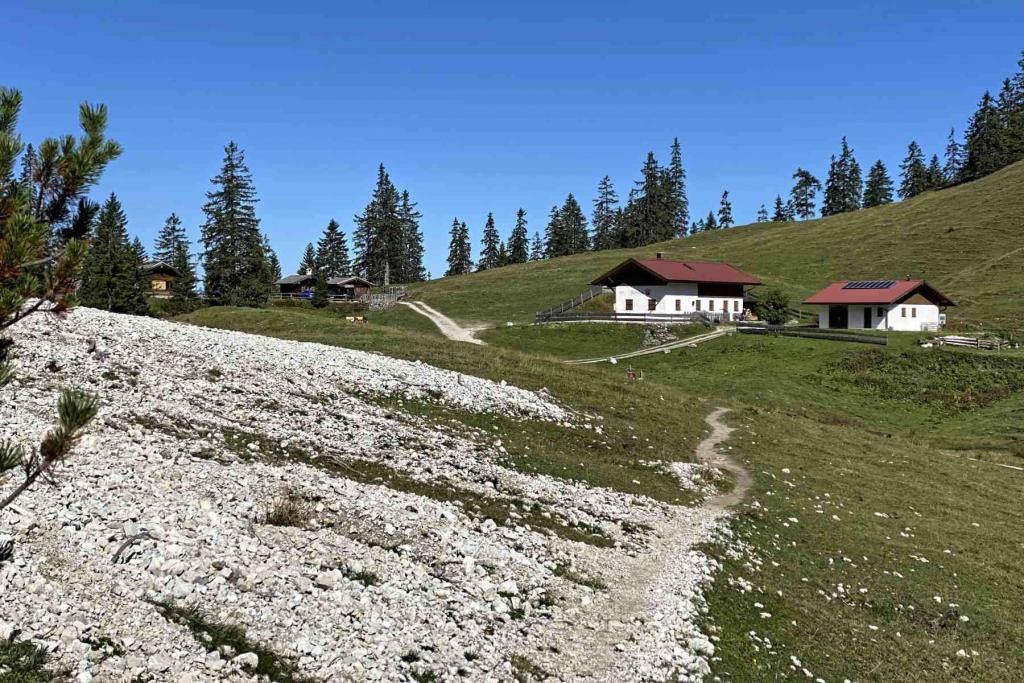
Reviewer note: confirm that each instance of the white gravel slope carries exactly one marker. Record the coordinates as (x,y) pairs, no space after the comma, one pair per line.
(455,596)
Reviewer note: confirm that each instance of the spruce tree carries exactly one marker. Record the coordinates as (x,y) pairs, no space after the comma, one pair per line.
(984,141)
(519,241)
(459,261)
(914,172)
(649,215)
(110,273)
(272,259)
(762,213)
(953,169)
(803,193)
(574,226)
(331,253)
(536,248)
(934,173)
(1012,115)
(308,265)
(604,218)
(502,255)
(380,235)
(235,265)
(554,237)
(878,190)
(725,211)
(678,204)
(710,223)
(490,246)
(170,240)
(321,295)
(412,241)
(780,215)
(843,187)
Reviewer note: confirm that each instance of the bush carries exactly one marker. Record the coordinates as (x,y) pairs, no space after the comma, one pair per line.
(287,510)
(772,306)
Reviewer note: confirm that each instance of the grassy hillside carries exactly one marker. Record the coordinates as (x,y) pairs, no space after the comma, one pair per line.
(967,240)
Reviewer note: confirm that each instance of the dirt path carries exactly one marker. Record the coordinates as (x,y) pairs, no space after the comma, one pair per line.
(660,348)
(650,605)
(448,327)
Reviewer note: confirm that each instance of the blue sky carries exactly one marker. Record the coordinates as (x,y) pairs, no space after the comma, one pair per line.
(477,107)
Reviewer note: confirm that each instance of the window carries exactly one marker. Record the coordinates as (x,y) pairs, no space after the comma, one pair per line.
(679,304)
(736,306)
(696,302)
(913,311)
(651,304)
(903,312)
(711,304)
(158,285)
(881,312)
(629,304)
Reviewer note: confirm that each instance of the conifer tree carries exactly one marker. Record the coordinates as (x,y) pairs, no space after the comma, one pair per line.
(502,255)
(1012,114)
(183,291)
(762,213)
(380,235)
(710,223)
(519,241)
(914,172)
(953,169)
(679,205)
(984,141)
(574,226)
(725,211)
(235,266)
(878,190)
(648,216)
(934,173)
(412,240)
(331,253)
(604,218)
(459,261)
(780,215)
(272,260)
(490,246)
(554,237)
(170,240)
(844,186)
(803,193)
(537,248)
(308,265)
(110,274)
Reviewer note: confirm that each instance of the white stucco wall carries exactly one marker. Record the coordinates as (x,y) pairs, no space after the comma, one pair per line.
(666,296)
(892,318)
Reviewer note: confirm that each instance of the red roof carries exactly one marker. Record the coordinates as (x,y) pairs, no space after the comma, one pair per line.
(678,271)
(840,293)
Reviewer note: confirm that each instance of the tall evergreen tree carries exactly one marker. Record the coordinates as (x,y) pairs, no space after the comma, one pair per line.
(110,275)
(380,236)
(272,259)
(412,239)
(710,223)
(235,265)
(536,248)
(459,261)
(648,216)
(953,169)
(725,211)
(519,241)
(502,255)
(574,225)
(604,218)
(678,204)
(331,253)
(934,174)
(170,240)
(844,186)
(984,141)
(762,213)
(781,214)
(1012,114)
(490,246)
(878,190)
(914,172)
(803,193)
(554,235)
(308,265)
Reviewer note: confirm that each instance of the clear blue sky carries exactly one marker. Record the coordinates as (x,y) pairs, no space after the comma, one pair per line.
(475,107)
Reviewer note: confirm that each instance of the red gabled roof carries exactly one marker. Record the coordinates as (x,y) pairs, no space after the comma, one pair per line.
(836,293)
(682,271)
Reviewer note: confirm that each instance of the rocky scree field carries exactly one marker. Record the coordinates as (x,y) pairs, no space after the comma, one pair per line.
(250,508)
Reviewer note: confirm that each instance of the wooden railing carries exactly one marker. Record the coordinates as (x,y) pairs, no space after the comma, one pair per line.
(703,317)
(594,291)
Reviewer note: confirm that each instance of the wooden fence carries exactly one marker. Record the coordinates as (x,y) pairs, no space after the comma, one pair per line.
(811,333)
(702,317)
(974,342)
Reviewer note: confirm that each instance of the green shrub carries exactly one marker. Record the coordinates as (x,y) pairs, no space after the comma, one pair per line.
(772,306)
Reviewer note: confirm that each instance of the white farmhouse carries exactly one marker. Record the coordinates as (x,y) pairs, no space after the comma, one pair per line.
(664,286)
(901,305)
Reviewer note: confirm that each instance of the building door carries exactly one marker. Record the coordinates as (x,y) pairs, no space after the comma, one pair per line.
(867,318)
(838,317)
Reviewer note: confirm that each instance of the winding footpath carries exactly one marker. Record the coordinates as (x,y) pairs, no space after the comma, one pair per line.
(448,327)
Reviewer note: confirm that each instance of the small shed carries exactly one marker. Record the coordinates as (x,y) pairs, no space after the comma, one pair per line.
(909,305)
(160,276)
(345,288)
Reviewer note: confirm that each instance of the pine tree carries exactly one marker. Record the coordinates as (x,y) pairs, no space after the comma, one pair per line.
(953,169)
(604,218)
(914,172)
(519,241)
(554,237)
(780,215)
(490,246)
(272,259)
(878,190)
(412,241)
(853,197)
(984,141)
(844,186)
(110,275)
(934,173)
(678,204)
(574,226)
(1012,115)
(183,290)
(308,265)
(710,223)
(725,211)
(459,261)
(139,259)
(762,213)
(170,240)
(803,193)
(380,236)
(502,255)
(235,266)
(648,216)
(321,295)
(331,253)
(537,248)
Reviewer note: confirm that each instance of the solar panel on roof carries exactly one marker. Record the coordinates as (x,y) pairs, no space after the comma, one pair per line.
(869,284)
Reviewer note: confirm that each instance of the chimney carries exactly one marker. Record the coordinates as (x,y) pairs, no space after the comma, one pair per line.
(659,255)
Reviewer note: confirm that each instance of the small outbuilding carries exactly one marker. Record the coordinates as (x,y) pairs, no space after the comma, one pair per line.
(901,305)
(347,288)
(661,285)
(160,277)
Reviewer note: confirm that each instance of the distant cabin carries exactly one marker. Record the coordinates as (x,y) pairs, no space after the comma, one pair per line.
(902,305)
(161,277)
(661,285)
(348,288)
